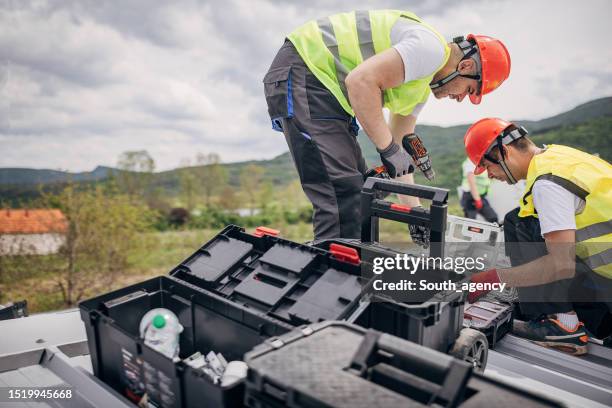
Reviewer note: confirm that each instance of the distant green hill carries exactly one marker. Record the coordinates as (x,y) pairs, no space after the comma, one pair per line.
(44,176)
(587,127)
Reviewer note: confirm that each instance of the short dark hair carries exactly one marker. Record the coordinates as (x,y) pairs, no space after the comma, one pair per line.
(522,144)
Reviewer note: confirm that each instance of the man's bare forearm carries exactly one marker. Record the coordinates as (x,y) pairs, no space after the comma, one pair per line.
(401,126)
(365,85)
(365,96)
(558,264)
(546,269)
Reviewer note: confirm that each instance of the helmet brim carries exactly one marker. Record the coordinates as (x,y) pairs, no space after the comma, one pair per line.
(475,99)
(479,170)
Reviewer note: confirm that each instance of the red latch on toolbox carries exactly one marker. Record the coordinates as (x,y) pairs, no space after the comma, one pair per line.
(401,207)
(345,254)
(261,231)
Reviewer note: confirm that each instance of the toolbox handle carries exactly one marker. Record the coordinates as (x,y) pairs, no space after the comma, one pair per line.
(261,231)
(344,253)
(437,195)
(446,376)
(373,208)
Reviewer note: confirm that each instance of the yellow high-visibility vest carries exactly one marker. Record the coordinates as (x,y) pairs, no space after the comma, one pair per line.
(590,178)
(333,46)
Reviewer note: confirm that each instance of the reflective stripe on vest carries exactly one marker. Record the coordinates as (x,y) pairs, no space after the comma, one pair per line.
(594,231)
(599,260)
(349,39)
(327,31)
(366,45)
(589,178)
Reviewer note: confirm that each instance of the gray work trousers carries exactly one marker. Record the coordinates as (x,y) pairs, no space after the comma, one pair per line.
(322,139)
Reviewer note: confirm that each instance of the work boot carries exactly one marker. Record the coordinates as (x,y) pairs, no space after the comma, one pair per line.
(549,332)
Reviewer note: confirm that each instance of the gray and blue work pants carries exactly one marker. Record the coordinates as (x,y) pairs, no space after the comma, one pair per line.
(322,139)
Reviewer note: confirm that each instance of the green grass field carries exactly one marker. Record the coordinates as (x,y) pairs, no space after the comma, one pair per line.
(33,277)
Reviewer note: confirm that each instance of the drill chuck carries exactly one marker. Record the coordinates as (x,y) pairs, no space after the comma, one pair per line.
(415,148)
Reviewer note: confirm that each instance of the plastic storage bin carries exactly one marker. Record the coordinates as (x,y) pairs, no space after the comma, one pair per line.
(493,319)
(211,323)
(293,282)
(232,293)
(437,322)
(14,310)
(335,364)
(434,319)
(434,323)
(476,238)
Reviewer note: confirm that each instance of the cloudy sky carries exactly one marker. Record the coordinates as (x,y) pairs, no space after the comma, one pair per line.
(82,81)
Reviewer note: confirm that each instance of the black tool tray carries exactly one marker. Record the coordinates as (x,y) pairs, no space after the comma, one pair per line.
(293,282)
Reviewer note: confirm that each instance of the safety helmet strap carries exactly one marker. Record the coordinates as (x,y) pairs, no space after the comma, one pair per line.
(505,138)
(470,50)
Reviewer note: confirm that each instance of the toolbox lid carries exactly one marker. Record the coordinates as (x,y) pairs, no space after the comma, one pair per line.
(294,282)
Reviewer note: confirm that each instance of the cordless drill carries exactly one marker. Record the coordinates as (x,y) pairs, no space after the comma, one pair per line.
(414,146)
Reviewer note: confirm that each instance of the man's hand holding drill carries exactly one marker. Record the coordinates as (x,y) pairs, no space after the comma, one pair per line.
(396,160)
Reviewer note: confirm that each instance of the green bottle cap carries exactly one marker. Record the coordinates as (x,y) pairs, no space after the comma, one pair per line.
(159,321)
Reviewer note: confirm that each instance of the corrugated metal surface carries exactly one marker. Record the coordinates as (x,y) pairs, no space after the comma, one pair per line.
(41,330)
(62,358)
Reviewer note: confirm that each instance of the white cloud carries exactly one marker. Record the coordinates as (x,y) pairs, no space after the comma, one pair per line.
(83,81)
(559,50)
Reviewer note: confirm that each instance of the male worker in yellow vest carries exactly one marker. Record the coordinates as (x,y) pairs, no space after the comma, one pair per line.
(475,188)
(350,65)
(559,239)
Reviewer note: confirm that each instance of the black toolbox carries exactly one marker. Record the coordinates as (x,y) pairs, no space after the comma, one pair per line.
(373,208)
(232,293)
(121,359)
(490,317)
(14,310)
(292,282)
(335,364)
(434,320)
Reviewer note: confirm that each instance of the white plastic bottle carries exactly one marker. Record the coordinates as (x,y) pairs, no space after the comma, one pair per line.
(161,329)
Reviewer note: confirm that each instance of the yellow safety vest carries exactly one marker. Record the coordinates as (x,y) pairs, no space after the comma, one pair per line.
(482,181)
(333,46)
(590,178)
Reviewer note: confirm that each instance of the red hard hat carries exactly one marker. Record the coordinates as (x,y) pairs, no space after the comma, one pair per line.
(480,136)
(495,61)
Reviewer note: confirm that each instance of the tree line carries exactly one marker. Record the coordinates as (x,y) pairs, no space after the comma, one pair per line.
(109,220)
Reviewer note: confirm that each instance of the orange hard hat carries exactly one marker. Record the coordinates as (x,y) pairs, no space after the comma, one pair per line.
(495,62)
(480,137)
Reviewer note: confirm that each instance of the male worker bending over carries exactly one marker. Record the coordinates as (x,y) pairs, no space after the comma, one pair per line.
(568,202)
(351,65)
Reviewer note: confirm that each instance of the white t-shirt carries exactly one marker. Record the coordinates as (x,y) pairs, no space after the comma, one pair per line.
(420,50)
(468,167)
(556,206)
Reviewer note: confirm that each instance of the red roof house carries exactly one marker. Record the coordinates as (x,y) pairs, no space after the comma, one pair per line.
(31,231)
